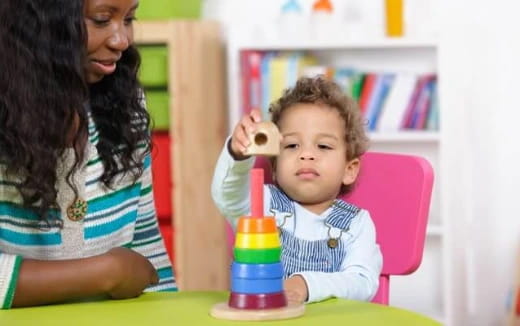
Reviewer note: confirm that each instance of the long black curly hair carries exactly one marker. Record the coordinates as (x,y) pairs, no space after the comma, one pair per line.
(43,93)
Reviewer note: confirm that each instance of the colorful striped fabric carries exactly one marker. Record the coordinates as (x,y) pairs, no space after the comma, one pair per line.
(122,216)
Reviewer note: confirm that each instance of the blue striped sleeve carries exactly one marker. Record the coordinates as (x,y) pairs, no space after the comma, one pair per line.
(147,239)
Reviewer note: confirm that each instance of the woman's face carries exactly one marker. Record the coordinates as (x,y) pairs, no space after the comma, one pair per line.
(110,32)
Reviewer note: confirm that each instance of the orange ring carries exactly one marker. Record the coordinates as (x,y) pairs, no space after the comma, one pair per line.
(256,225)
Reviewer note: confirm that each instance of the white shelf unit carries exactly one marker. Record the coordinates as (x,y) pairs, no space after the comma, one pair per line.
(329,44)
(425,290)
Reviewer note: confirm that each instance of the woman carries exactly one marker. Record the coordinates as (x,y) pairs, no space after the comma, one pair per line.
(77,216)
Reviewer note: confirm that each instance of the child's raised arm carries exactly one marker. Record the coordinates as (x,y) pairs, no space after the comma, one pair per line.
(230,185)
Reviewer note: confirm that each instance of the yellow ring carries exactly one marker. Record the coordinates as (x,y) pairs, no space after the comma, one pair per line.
(257,240)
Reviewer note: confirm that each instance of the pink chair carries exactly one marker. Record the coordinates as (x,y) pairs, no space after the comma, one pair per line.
(396,190)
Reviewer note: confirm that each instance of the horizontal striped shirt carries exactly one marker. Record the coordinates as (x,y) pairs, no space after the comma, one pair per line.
(120,216)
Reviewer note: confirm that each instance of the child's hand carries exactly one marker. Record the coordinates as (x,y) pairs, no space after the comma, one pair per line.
(296,289)
(240,137)
(132,273)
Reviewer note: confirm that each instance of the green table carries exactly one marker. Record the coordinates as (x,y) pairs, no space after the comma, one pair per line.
(191,309)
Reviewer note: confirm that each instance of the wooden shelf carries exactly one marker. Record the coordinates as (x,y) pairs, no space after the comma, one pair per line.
(152,32)
(196,82)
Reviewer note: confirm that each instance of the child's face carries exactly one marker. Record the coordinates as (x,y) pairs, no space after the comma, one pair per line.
(312,164)
(110,32)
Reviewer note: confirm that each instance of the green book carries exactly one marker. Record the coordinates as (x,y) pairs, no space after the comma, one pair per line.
(357,85)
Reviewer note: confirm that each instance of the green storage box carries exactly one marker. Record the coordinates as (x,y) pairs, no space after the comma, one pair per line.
(165,9)
(158,105)
(154,66)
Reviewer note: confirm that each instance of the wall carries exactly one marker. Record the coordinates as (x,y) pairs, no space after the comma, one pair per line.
(480,84)
(360,17)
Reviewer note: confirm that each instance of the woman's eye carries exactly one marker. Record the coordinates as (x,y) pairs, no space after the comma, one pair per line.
(100,21)
(130,20)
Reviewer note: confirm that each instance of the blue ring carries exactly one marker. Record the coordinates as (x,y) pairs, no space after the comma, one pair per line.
(258,286)
(257,271)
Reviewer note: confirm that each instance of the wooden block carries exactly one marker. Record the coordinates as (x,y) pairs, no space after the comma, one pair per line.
(266,141)
(223,311)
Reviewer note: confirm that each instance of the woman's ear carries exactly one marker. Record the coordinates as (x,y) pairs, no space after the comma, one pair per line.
(351,171)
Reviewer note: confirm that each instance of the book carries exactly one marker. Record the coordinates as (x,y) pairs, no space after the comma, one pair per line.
(377,99)
(366,91)
(357,85)
(265,79)
(397,101)
(424,105)
(245,73)
(407,119)
(432,121)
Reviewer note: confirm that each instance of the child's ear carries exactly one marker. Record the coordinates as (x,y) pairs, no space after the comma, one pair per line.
(351,171)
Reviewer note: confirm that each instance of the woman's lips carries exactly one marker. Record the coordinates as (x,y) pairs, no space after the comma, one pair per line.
(104,67)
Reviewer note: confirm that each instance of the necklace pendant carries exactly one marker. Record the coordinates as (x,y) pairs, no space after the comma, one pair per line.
(77,210)
(332,243)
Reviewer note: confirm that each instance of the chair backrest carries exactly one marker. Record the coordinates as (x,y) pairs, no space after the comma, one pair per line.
(396,190)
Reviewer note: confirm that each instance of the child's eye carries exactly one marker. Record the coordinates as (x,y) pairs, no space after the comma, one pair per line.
(291,146)
(323,146)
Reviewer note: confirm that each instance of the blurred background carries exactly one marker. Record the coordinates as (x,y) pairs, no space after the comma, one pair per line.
(435,78)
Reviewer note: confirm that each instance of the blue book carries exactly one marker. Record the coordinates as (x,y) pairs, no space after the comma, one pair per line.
(377,99)
(432,121)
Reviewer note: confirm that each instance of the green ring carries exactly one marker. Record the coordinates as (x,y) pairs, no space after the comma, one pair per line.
(257,256)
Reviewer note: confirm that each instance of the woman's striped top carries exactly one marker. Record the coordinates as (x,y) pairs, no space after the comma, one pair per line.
(123,215)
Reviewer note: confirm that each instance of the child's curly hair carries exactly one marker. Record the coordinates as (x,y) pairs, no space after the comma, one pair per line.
(322,91)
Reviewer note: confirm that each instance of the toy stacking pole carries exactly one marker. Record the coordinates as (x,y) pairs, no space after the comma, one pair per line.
(257,193)
(257,273)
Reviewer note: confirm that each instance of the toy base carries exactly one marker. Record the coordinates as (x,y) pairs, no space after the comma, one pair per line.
(223,311)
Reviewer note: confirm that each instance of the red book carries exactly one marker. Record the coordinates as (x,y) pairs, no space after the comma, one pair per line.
(245,74)
(366,92)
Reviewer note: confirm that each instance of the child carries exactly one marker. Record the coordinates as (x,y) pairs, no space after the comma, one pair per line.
(328,245)
(77,216)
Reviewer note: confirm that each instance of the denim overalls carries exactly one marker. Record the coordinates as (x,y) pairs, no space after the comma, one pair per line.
(299,255)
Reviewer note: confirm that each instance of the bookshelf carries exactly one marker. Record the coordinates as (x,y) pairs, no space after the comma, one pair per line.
(330,44)
(197,130)
(405,137)
(425,291)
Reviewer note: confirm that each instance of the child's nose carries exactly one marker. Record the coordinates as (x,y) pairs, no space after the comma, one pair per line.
(307,155)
